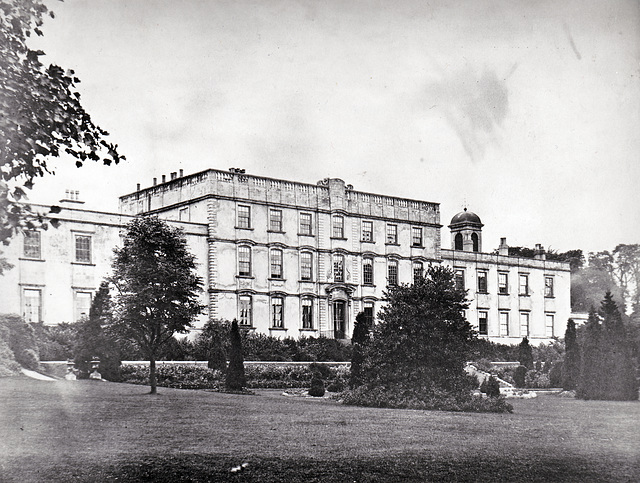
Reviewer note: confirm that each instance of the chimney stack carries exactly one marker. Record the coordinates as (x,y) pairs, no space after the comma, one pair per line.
(539,252)
(174,175)
(138,187)
(164,178)
(181,173)
(155,181)
(503,249)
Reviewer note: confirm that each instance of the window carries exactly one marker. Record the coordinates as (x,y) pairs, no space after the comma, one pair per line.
(367,231)
(275,220)
(32,244)
(306,266)
(392,277)
(338,268)
(367,271)
(368,313)
(244,261)
(504,323)
(244,216)
(457,241)
(83,249)
(338,226)
(277,313)
(82,305)
(524,284)
(305,224)
(416,236)
(524,324)
(418,271)
(184,214)
(476,242)
(245,310)
(503,283)
(459,279)
(32,305)
(392,234)
(548,326)
(276,263)
(307,313)
(482,281)
(483,322)
(548,286)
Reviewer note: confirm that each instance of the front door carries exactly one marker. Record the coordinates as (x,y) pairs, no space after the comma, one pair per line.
(340,319)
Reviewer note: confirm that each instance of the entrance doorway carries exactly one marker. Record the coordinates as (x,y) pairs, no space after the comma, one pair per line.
(340,319)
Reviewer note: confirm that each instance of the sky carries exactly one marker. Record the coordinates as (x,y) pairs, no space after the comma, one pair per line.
(527,113)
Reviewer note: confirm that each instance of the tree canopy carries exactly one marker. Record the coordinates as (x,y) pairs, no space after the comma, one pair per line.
(157,286)
(41,116)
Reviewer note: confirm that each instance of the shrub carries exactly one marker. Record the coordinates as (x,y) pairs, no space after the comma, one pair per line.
(8,364)
(20,338)
(519,376)
(317,387)
(525,354)
(556,374)
(336,386)
(235,379)
(537,380)
(491,387)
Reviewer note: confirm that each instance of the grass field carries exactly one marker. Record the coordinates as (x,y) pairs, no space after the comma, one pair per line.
(91,431)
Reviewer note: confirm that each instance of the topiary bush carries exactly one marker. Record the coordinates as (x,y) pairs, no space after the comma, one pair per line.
(317,387)
(519,376)
(491,387)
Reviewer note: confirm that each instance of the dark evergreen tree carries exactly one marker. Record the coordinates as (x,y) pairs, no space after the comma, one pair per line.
(93,340)
(519,376)
(316,388)
(571,364)
(525,354)
(235,380)
(359,340)
(591,383)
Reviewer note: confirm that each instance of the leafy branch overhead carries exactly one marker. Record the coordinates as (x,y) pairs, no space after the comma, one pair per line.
(40,111)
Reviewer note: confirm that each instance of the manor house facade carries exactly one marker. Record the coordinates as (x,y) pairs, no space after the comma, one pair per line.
(290,259)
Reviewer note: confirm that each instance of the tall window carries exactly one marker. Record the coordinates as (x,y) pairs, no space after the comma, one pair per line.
(82,305)
(32,305)
(338,226)
(307,313)
(418,271)
(416,236)
(306,266)
(548,325)
(476,242)
(277,312)
(503,283)
(524,324)
(368,312)
(305,224)
(367,271)
(275,220)
(548,286)
(458,243)
(244,261)
(482,281)
(32,244)
(459,279)
(276,263)
(338,268)
(244,216)
(392,277)
(483,322)
(245,310)
(83,249)
(524,284)
(392,233)
(504,323)
(367,231)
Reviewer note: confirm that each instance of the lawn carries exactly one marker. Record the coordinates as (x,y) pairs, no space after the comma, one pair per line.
(91,431)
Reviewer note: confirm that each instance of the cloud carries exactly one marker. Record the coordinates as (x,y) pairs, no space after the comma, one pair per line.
(475,106)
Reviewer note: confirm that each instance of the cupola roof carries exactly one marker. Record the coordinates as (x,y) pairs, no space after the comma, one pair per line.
(465,217)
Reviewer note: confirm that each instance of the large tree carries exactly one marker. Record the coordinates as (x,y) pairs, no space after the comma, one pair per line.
(40,116)
(571,363)
(157,287)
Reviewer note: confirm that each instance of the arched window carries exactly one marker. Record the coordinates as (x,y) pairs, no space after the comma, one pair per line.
(458,241)
(476,244)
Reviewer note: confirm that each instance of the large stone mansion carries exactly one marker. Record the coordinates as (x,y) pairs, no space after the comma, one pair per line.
(289,259)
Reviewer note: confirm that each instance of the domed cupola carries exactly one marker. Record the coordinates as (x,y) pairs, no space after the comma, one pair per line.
(466,232)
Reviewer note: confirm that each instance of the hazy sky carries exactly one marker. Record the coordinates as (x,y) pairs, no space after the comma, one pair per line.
(528,112)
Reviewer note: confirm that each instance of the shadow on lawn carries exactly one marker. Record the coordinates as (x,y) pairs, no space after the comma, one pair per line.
(208,468)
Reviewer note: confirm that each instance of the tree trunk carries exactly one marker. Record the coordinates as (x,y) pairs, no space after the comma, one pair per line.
(152,373)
